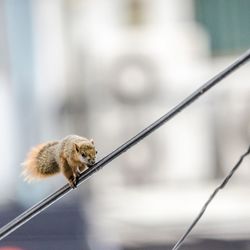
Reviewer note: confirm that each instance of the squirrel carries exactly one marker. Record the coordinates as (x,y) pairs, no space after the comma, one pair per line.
(70,156)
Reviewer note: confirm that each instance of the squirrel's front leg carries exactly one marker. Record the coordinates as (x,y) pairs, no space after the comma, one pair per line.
(68,173)
(81,168)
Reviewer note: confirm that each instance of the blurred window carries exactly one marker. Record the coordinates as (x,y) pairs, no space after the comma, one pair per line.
(227,23)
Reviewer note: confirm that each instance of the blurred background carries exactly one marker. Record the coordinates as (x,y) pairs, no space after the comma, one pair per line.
(105,70)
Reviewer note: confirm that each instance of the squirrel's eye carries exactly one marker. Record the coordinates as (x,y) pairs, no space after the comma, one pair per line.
(83,155)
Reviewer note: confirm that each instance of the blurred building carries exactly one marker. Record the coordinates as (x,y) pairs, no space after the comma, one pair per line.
(107,69)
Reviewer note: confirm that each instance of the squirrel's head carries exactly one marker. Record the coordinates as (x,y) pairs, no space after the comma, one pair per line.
(86,152)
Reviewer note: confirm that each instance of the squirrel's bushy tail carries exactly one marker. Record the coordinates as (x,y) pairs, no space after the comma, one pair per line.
(40,162)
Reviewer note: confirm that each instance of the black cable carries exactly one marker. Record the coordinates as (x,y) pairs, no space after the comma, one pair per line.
(36,209)
(221,186)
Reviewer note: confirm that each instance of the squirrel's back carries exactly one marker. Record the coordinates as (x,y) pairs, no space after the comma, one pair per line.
(66,147)
(41,161)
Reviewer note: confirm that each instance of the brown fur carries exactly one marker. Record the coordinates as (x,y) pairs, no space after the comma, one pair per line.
(70,156)
(38,160)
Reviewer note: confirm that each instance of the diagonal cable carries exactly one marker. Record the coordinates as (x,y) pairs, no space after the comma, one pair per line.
(212,196)
(40,206)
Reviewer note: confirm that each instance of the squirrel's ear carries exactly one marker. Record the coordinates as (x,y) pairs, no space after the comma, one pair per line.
(92,141)
(76,147)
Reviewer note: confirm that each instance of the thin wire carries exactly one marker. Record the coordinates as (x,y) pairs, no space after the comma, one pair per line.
(39,207)
(221,186)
